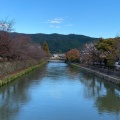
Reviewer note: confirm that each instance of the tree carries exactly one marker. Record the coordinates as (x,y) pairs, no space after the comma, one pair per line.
(117,47)
(73,55)
(46,48)
(90,55)
(5,41)
(6,25)
(20,47)
(108,49)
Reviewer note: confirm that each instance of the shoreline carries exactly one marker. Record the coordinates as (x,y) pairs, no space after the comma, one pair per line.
(16,74)
(109,78)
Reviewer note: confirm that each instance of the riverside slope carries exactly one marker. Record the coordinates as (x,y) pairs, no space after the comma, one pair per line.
(10,77)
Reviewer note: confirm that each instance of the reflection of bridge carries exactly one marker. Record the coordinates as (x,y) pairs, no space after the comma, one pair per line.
(56,60)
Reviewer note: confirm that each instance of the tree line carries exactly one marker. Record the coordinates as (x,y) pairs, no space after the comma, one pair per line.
(59,43)
(19,47)
(103,53)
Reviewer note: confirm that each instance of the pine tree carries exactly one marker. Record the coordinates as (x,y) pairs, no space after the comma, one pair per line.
(46,48)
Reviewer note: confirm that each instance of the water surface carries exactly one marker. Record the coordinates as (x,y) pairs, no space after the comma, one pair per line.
(59,92)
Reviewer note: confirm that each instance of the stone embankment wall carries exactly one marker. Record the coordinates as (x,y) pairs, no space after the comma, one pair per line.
(9,67)
(103,74)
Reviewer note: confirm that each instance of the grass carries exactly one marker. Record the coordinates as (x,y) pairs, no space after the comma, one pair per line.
(16,75)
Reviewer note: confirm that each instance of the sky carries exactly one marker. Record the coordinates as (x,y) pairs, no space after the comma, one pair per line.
(95,18)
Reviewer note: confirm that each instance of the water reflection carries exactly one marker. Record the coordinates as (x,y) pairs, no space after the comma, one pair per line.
(16,94)
(106,95)
(109,102)
(59,91)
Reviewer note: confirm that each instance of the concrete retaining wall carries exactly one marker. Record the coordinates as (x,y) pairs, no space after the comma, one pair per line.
(102,75)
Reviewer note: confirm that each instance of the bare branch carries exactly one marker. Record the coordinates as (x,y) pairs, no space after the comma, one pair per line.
(6,25)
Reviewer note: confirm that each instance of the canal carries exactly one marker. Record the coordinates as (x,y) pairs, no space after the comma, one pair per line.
(58,91)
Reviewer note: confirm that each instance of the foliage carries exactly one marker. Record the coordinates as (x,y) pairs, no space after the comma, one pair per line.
(109,48)
(19,48)
(59,43)
(73,55)
(90,54)
(45,47)
(5,43)
(105,51)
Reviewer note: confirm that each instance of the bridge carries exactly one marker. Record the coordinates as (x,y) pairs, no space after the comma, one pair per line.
(57,58)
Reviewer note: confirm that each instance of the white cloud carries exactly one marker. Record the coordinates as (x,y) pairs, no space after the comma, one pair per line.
(55,21)
(58,22)
(54,26)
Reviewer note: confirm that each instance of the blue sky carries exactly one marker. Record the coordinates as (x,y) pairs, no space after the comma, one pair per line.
(95,18)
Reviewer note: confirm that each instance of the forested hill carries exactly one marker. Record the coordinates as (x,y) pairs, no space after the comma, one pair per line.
(61,43)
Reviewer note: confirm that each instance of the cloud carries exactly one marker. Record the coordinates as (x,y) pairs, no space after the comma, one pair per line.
(54,26)
(58,22)
(55,21)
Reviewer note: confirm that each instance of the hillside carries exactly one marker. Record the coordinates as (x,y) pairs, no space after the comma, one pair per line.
(61,43)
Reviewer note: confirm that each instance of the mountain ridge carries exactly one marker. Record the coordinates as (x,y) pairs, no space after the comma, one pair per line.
(59,43)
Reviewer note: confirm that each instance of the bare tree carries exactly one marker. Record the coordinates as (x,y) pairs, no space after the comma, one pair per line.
(90,55)
(6,25)
(5,41)
(18,48)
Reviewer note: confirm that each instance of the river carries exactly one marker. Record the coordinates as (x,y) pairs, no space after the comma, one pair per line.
(58,91)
